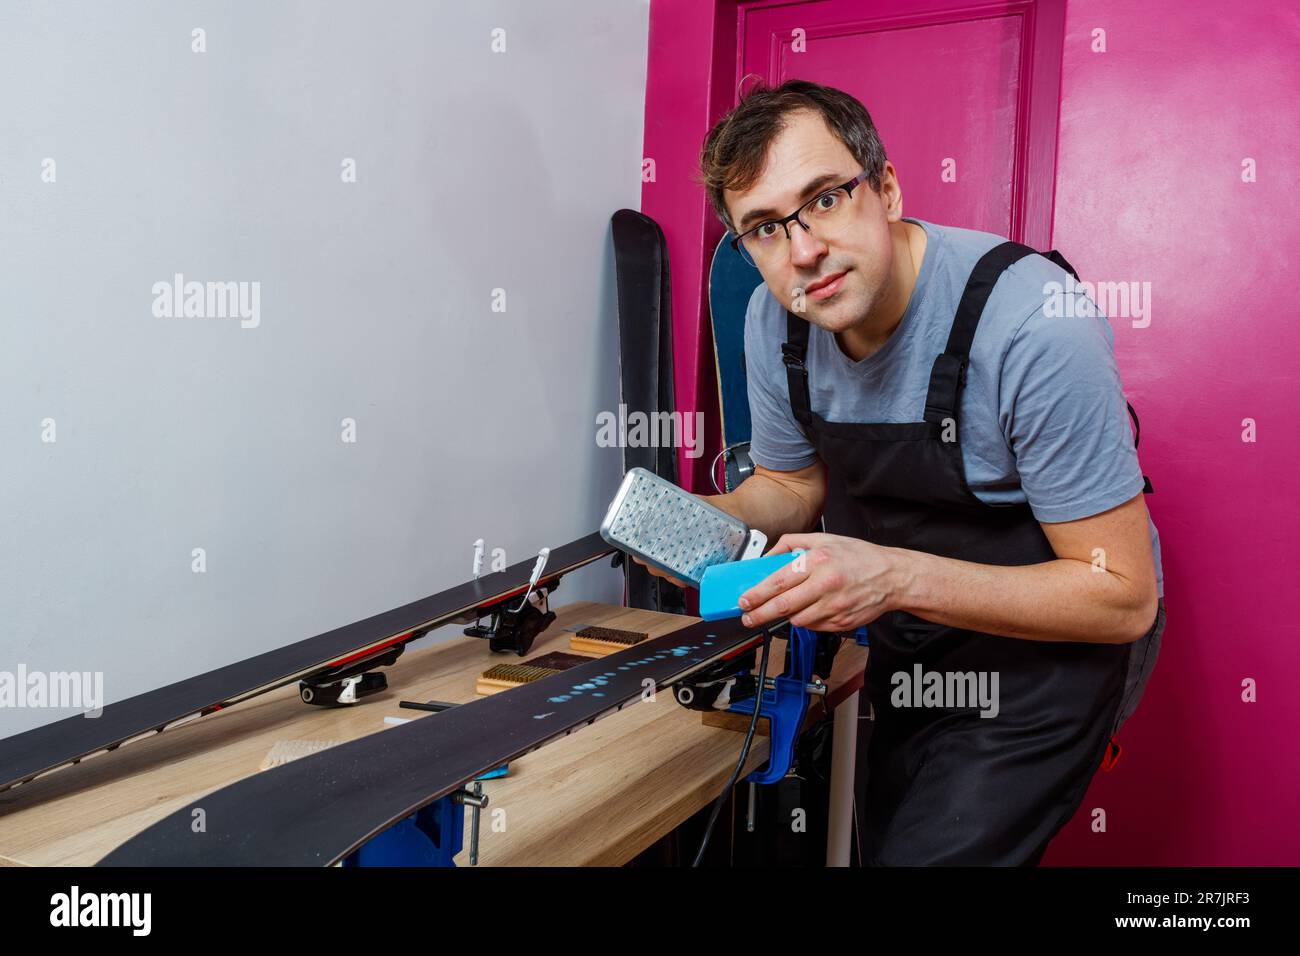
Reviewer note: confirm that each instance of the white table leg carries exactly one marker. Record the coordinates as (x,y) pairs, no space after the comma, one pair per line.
(844,748)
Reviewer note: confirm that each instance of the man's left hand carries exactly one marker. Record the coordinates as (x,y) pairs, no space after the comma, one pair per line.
(838,584)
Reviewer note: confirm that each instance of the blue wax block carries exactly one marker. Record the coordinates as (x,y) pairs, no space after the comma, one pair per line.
(723,584)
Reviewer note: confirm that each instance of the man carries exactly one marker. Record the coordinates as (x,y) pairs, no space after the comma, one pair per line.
(975,469)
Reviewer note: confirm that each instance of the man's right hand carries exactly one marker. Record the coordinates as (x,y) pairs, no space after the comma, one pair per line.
(660,574)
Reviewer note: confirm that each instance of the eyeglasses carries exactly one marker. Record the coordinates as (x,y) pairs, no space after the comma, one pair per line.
(820,217)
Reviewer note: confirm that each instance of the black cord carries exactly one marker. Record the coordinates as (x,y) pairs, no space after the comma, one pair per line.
(744,752)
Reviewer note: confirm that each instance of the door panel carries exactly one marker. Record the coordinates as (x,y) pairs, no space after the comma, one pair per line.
(965,97)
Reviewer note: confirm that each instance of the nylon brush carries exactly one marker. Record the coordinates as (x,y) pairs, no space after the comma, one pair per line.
(505,676)
(605,640)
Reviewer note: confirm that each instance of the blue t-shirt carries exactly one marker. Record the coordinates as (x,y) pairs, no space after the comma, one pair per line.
(1043,415)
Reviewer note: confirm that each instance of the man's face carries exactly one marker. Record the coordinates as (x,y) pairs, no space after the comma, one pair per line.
(858,259)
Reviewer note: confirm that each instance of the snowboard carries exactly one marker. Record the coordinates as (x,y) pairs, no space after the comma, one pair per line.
(370,642)
(318,809)
(732,281)
(645,371)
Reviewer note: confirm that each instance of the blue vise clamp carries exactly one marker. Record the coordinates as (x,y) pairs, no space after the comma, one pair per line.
(785,698)
(785,703)
(433,835)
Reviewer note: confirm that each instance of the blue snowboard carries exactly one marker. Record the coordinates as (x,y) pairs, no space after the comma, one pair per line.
(731,282)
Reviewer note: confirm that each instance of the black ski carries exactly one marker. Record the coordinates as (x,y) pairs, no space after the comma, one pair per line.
(645,369)
(318,809)
(669,598)
(376,639)
(667,399)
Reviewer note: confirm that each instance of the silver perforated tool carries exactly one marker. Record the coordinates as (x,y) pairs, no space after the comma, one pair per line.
(673,530)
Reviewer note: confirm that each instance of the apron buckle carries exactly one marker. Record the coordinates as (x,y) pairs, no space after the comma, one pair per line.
(1113,752)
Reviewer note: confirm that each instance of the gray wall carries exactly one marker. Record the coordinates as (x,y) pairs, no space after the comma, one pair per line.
(475,171)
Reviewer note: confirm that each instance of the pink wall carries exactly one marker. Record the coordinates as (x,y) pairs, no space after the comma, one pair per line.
(1149,187)
(1153,135)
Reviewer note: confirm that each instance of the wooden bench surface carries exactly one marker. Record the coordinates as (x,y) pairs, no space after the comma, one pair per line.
(596,797)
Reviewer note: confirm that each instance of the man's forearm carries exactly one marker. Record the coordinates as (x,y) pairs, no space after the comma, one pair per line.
(1061,600)
(767,505)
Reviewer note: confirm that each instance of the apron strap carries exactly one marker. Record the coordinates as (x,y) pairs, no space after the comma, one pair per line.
(1147,487)
(794,353)
(949,372)
(1060,260)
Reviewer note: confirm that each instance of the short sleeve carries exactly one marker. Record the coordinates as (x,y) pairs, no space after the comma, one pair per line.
(1064,415)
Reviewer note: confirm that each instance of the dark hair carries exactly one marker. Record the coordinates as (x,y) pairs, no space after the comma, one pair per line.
(736,148)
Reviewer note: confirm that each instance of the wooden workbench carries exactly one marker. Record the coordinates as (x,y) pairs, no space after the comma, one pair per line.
(596,797)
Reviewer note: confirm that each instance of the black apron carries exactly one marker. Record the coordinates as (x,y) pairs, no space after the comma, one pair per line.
(944,784)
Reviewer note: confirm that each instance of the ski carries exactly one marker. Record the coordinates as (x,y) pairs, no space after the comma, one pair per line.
(344,651)
(318,809)
(667,398)
(645,371)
